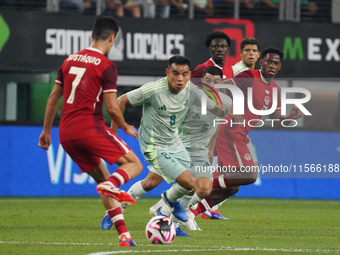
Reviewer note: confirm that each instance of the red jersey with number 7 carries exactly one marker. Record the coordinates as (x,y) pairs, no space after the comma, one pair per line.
(85,76)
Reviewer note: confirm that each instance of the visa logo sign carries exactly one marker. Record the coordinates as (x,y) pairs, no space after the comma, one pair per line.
(60,168)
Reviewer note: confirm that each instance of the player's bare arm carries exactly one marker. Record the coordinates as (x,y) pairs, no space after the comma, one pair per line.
(116,115)
(295,113)
(122,102)
(51,110)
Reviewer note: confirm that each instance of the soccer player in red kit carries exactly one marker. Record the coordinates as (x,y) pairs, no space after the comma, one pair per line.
(87,79)
(231,143)
(218,44)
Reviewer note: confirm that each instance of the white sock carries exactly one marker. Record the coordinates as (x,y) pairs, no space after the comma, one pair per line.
(195,200)
(185,201)
(136,190)
(175,192)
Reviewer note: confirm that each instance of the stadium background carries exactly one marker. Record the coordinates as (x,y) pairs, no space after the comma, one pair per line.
(34,43)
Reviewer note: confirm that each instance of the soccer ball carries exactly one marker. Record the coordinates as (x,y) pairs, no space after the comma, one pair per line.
(161,230)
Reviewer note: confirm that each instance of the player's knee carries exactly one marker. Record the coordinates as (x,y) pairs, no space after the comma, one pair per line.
(203,188)
(202,193)
(139,166)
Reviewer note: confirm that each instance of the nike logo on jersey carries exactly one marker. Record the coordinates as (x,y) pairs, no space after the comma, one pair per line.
(162,108)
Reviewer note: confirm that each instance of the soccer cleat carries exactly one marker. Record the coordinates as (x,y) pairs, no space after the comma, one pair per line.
(215,215)
(159,213)
(155,207)
(124,241)
(108,189)
(180,232)
(106,222)
(206,215)
(176,208)
(191,224)
(153,210)
(123,207)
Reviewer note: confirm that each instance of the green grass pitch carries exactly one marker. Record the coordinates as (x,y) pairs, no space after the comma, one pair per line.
(257,226)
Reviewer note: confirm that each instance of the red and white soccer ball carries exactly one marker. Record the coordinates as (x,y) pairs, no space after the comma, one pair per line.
(160,230)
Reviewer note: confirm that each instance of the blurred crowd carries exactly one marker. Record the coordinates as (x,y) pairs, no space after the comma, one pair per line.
(311,10)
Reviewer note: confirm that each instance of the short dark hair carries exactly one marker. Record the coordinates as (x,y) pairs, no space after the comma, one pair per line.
(250,40)
(272,50)
(103,27)
(179,60)
(216,34)
(213,70)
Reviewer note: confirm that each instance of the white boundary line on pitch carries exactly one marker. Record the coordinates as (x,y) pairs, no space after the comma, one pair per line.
(185,248)
(86,244)
(219,249)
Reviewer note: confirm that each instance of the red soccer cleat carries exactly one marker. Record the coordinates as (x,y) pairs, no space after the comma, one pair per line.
(124,241)
(108,189)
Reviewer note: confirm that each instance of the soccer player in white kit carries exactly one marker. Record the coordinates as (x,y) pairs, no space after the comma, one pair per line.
(196,133)
(166,103)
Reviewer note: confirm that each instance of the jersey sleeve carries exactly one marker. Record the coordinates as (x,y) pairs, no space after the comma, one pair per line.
(109,79)
(244,80)
(143,94)
(136,97)
(60,78)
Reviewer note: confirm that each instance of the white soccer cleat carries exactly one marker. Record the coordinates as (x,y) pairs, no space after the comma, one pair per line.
(191,224)
(153,209)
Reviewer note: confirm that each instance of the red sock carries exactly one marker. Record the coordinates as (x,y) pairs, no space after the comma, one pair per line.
(118,220)
(119,177)
(204,205)
(220,182)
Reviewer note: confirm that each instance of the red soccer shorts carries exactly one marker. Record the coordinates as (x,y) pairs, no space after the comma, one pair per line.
(87,152)
(232,150)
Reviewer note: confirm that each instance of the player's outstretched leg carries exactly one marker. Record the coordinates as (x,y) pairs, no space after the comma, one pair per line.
(130,166)
(117,219)
(175,207)
(136,188)
(183,185)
